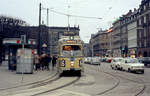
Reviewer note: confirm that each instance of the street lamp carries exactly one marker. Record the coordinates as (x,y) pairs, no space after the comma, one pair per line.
(40,30)
(44,47)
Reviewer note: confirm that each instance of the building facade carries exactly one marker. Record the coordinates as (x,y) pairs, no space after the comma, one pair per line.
(9,28)
(109,42)
(125,35)
(143,31)
(87,50)
(45,38)
(99,44)
(48,36)
(55,34)
(134,32)
(116,38)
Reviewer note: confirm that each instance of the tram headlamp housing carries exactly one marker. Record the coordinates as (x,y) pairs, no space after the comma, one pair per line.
(80,63)
(63,63)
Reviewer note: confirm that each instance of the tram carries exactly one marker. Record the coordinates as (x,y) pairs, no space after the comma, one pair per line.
(70,55)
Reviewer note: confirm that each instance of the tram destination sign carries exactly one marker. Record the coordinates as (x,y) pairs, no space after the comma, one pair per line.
(71,41)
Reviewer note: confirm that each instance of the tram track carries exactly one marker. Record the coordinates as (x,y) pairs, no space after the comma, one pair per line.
(111,88)
(139,81)
(49,87)
(60,87)
(141,91)
(33,84)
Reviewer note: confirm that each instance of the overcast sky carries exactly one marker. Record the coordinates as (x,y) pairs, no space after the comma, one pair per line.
(108,10)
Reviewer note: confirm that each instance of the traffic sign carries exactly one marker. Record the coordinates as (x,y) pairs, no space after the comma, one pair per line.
(23,39)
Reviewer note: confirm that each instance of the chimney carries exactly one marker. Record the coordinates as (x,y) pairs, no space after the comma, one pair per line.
(134,9)
(130,11)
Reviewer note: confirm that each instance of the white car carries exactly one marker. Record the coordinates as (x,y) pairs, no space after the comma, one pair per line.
(132,65)
(115,63)
(95,61)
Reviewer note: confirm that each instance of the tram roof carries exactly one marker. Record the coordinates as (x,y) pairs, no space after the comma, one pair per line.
(69,38)
(63,39)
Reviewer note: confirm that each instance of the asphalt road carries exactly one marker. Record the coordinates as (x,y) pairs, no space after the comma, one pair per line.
(96,81)
(103,81)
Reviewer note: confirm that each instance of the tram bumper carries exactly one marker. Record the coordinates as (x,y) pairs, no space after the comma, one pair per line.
(71,69)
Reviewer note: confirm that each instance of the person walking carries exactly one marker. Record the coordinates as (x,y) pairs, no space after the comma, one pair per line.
(48,60)
(42,61)
(37,62)
(54,59)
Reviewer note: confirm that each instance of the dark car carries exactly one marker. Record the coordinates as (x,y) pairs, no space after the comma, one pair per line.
(145,61)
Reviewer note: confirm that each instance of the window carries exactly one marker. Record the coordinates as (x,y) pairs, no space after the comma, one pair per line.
(147,18)
(142,43)
(139,22)
(71,47)
(144,7)
(145,43)
(144,33)
(144,19)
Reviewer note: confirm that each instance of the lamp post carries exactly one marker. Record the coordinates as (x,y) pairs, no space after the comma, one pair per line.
(40,29)
(44,47)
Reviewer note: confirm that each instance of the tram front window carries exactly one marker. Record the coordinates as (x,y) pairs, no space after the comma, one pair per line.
(72,50)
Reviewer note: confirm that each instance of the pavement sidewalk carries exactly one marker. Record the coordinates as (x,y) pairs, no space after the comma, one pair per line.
(11,79)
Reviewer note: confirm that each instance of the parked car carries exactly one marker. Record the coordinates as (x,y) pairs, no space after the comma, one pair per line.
(115,63)
(92,60)
(102,59)
(88,60)
(95,61)
(132,65)
(109,60)
(145,60)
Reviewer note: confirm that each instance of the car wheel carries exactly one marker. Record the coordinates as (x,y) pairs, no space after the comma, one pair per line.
(129,70)
(142,72)
(116,67)
(121,69)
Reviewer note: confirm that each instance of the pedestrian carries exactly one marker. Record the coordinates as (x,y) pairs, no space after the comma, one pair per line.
(42,61)
(13,61)
(48,60)
(54,59)
(37,62)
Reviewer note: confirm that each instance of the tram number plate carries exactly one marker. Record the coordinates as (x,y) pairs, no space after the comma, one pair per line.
(72,69)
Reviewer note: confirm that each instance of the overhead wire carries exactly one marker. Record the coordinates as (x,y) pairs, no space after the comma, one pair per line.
(61,13)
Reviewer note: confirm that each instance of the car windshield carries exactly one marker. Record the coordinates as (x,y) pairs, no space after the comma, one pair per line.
(132,61)
(117,60)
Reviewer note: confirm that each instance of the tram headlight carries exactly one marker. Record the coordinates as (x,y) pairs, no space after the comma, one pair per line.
(63,63)
(80,63)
